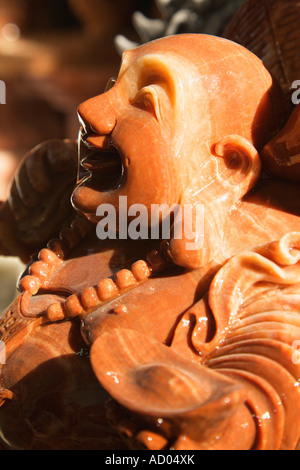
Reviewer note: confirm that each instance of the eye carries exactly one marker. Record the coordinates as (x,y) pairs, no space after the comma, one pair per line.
(111,82)
(147,98)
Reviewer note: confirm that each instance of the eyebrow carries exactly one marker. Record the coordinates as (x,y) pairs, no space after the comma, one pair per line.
(155,71)
(151,77)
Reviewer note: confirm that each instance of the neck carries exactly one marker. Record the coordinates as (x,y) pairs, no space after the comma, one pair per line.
(265,214)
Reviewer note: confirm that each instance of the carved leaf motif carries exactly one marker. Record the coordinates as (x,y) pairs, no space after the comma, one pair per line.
(255,302)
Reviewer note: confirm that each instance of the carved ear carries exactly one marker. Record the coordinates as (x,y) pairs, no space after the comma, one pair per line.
(236,170)
(240,166)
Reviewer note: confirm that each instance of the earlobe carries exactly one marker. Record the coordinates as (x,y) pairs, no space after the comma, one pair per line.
(239,166)
(237,169)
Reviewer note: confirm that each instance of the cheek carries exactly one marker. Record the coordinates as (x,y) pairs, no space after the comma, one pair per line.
(150,174)
(138,132)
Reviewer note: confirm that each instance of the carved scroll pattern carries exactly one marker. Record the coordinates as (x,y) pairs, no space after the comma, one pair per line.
(211,384)
(255,302)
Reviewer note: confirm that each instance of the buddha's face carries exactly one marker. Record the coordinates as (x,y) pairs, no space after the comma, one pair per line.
(140,136)
(151,137)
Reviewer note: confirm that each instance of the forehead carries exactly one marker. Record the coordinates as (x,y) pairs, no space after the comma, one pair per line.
(195,50)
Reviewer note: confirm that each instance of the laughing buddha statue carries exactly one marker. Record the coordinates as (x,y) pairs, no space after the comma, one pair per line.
(149,344)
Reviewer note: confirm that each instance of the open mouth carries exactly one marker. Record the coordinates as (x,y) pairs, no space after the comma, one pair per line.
(100,168)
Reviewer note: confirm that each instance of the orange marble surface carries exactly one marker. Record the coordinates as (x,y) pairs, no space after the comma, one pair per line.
(145,344)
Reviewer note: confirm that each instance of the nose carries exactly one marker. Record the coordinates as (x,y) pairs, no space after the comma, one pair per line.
(98,115)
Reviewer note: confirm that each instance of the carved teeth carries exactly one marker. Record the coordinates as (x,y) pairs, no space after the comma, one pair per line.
(49,257)
(55,312)
(73,307)
(89,298)
(40,270)
(48,262)
(140,270)
(107,289)
(124,279)
(30,284)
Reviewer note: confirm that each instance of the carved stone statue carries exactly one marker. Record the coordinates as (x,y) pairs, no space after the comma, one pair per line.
(122,343)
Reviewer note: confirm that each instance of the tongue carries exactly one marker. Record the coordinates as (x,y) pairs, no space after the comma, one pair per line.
(90,194)
(107,163)
(100,173)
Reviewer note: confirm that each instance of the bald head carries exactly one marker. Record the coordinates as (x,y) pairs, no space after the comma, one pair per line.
(240,93)
(175,98)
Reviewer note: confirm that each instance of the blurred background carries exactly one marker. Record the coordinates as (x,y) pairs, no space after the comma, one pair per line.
(54,54)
